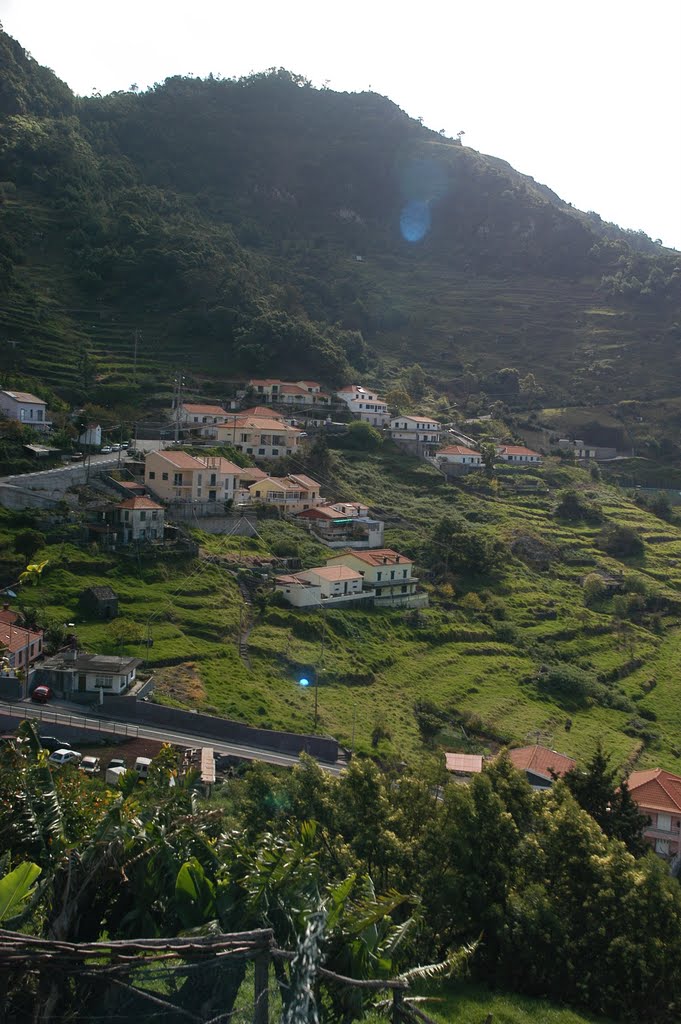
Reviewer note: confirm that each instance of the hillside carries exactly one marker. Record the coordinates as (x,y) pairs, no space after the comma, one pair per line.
(262,225)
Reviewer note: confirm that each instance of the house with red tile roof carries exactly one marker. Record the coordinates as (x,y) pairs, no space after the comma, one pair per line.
(261,437)
(518,455)
(365,404)
(138,519)
(19,645)
(322,585)
(419,435)
(658,795)
(388,574)
(459,455)
(540,764)
(201,417)
(292,494)
(343,525)
(176,476)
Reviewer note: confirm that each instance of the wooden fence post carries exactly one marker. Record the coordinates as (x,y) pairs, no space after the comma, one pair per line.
(398,1004)
(262,1009)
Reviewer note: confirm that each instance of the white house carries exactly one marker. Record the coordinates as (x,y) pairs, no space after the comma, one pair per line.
(140,519)
(74,672)
(386,573)
(263,438)
(201,418)
(518,454)
(418,433)
(91,436)
(365,404)
(28,409)
(344,525)
(459,455)
(325,584)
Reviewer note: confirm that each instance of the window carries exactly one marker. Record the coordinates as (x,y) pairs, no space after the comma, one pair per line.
(152,475)
(196,419)
(404,574)
(404,590)
(243,437)
(177,479)
(213,480)
(379,575)
(143,516)
(249,451)
(39,414)
(664,822)
(126,515)
(104,682)
(164,476)
(275,451)
(261,451)
(392,574)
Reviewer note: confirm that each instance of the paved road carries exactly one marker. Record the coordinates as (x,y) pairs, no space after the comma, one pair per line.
(68,716)
(100,461)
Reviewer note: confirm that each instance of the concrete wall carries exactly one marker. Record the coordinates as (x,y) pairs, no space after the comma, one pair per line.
(322,747)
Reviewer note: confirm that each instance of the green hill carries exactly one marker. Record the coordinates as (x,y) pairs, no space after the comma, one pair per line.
(262,225)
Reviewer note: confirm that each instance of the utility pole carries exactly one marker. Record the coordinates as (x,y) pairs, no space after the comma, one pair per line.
(177,401)
(136,339)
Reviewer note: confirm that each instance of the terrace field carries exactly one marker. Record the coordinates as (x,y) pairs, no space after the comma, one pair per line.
(481,656)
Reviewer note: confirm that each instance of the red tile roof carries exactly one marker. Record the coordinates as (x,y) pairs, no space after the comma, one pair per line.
(469,764)
(205,410)
(138,503)
(419,419)
(517,449)
(15,638)
(259,410)
(333,572)
(541,760)
(457,449)
(181,460)
(379,556)
(656,790)
(7,615)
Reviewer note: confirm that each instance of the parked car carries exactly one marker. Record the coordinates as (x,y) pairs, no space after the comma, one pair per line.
(142,766)
(125,444)
(42,694)
(63,756)
(106,450)
(90,765)
(77,457)
(51,743)
(117,762)
(115,447)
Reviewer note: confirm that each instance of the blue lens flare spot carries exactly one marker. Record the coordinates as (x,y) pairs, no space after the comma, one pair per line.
(304,682)
(415,220)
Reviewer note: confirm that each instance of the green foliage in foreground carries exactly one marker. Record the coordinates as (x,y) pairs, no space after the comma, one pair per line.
(523,890)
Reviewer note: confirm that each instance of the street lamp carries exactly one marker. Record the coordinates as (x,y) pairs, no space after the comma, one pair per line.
(304,681)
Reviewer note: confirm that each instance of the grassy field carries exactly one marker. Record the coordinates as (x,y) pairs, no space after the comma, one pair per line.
(473,1004)
(475,653)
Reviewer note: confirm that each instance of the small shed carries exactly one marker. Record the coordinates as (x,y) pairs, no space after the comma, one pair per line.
(100,601)
(463,767)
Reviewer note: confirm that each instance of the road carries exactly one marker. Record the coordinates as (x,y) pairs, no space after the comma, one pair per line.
(100,461)
(67,715)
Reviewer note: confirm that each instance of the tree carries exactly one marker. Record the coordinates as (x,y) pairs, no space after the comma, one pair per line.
(361,436)
(125,631)
(575,507)
(454,547)
(414,380)
(609,802)
(28,542)
(593,589)
(621,541)
(398,400)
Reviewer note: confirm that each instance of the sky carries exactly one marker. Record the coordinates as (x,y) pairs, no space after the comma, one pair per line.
(583,96)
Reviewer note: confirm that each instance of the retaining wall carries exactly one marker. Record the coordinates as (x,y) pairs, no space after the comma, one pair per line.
(322,747)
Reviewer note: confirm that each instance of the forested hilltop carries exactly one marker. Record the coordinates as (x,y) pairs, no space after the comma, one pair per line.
(263,225)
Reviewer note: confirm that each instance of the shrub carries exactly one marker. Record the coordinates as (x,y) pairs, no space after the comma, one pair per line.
(620,541)
(576,507)
(593,589)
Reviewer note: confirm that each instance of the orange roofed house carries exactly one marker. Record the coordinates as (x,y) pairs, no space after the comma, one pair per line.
(540,764)
(658,794)
(518,455)
(388,574)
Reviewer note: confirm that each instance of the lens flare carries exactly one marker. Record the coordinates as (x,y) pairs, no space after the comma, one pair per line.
(304,682)
(415,220)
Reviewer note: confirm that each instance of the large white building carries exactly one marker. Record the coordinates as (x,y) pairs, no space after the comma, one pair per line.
(325,584)
(421,434)
(201,418)
(365,404)
(28,409)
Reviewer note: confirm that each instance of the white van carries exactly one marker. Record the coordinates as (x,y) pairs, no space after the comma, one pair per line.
(142,766)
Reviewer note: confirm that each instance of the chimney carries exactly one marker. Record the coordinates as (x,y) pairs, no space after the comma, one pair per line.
(5,606)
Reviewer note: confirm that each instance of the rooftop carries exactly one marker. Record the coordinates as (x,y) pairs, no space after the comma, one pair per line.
(656,790)
(14,638)
(261,411)
(418,419)
(379,556)
(468,764)
(204,410)
(181,460)
(80,662)
(541,761)
(333,572)
(457,449)
(24,396)
(138,503)
(516,449)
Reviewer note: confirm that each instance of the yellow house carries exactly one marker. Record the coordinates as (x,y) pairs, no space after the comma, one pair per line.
(259,436)
(289,493)
(386,572)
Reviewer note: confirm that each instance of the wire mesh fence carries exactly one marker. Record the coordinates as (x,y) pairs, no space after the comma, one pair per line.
(240,978)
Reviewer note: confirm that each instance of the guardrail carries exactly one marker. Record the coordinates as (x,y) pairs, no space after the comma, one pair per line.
(55,716)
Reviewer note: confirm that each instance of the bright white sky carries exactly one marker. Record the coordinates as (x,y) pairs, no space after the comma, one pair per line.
(584,96)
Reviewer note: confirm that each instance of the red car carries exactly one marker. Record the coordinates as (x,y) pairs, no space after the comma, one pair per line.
(41,694)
